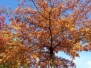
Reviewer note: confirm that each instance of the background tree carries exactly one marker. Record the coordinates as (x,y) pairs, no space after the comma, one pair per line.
(46,27)
(11,50)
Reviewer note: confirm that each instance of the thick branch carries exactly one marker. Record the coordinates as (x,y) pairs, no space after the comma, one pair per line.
(80,11)
(34,24)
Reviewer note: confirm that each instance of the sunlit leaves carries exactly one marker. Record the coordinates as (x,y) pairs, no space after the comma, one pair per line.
(40,30)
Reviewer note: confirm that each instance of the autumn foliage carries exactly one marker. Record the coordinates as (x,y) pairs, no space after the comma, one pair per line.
(40,29)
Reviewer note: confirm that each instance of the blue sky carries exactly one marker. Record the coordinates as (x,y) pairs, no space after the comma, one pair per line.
(9,3)
(85,57)
(84,61)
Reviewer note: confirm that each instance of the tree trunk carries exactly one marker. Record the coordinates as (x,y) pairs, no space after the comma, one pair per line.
(51,58)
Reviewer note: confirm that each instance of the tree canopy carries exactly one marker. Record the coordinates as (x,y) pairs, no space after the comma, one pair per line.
(41,28)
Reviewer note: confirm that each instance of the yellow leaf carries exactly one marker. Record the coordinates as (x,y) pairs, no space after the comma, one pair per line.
(35,56)
(72,29)
(0,60)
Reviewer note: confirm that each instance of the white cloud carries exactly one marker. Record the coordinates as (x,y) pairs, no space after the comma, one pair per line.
(84,61)
(89,64)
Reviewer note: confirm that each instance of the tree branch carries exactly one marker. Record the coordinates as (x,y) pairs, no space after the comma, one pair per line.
(38,10)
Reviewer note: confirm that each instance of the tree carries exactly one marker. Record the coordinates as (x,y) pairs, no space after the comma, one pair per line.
(11,50)
(46,27)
